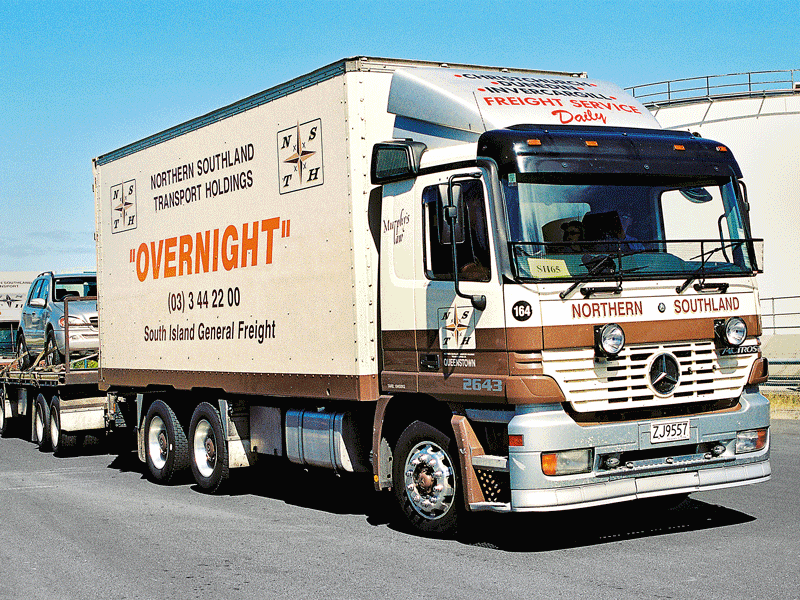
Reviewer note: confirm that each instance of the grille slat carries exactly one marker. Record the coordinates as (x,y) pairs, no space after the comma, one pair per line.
(592,385)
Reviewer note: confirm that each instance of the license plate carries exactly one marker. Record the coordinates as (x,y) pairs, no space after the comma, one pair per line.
(669,432)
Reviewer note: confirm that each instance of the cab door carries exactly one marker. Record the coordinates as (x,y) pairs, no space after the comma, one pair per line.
(399,279)
(461,343)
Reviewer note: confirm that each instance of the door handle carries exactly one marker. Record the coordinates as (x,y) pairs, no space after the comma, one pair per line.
(429,362)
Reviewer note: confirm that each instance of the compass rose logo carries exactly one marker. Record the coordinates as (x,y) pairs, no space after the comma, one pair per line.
(300,156)
(10,301)
(123,206)
(456,328)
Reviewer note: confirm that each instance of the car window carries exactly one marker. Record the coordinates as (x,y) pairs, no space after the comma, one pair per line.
(44,291)
(35,290)
(75,286)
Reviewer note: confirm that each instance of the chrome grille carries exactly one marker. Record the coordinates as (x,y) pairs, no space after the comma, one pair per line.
(596,384)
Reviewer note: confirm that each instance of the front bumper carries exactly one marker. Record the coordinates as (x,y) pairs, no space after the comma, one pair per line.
(675,467)
(82,340)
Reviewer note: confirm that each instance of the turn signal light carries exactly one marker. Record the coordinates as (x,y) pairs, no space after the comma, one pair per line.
(534,142)
(679,147)
(752,440)
(591,144)
(516,440)
(721,149)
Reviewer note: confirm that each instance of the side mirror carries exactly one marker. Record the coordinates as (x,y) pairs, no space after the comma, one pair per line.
(37,302)
(451,215)
(396,160)
(454,215)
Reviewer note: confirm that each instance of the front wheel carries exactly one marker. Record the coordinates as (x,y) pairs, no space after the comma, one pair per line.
(426,479)
(166,448)
(41,423)
(23,360)
(209,450)
(51,354)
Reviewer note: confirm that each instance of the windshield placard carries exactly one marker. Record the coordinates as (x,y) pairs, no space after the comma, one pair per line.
(548,268)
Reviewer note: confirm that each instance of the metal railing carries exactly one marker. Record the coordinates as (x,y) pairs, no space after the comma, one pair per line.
(731,85)
(780,314)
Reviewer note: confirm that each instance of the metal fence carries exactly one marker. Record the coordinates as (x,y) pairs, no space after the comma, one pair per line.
(732,85)
(780,315)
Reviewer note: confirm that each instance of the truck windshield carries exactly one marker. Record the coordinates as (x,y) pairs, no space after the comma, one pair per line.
(572,226)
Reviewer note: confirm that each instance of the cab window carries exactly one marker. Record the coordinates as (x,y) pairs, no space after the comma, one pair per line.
(472,237)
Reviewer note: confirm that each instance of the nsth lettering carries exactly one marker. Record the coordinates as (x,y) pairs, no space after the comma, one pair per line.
(230,248)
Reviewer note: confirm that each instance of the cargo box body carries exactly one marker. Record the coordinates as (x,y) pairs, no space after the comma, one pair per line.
(233,257)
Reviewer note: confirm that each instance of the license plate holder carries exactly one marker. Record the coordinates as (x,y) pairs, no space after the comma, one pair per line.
(670,431)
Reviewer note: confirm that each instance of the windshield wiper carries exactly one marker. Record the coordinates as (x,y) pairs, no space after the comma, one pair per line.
(595,266)
(702,285)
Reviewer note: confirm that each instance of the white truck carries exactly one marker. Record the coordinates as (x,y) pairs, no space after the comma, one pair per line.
(491,289)
(13,287)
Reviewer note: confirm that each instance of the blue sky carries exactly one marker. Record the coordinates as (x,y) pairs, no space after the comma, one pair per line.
(78,79)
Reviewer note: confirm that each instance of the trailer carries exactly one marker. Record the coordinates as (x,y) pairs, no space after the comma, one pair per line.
(489,289)
(61,402)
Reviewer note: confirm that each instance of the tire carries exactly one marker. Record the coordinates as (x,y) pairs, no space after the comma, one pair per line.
(166,449)
(41,423)
(60,440)
(208,453)
(6,423)
(22,353)
(53,357)
(426,478)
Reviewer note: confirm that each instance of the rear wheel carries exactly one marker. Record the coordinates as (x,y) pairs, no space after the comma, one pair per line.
(426,479)
(60,440)
(209,449)
(41,423)
(165,443)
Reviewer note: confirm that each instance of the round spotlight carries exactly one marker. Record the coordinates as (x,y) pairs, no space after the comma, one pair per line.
(610,339)
(735,331)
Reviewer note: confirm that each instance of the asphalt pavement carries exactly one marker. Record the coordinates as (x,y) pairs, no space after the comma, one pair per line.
(92,526)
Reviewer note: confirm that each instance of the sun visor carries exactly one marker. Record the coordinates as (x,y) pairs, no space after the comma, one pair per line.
(478,101)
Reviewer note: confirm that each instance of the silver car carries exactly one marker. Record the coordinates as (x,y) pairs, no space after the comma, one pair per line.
(43,323)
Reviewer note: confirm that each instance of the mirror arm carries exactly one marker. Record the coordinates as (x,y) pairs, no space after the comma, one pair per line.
(478,301)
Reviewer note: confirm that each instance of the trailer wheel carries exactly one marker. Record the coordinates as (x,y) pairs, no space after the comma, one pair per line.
(165,443)
(209,449)
(52,355)
(60,440)
(41,423)
(426,479)
(5,423)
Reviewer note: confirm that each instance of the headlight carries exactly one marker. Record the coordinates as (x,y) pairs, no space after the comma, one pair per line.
(751,440)
(732,331)
(73,321)
(568,462)
(609,339)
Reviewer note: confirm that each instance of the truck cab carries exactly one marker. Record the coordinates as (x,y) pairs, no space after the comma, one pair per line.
(585,298)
